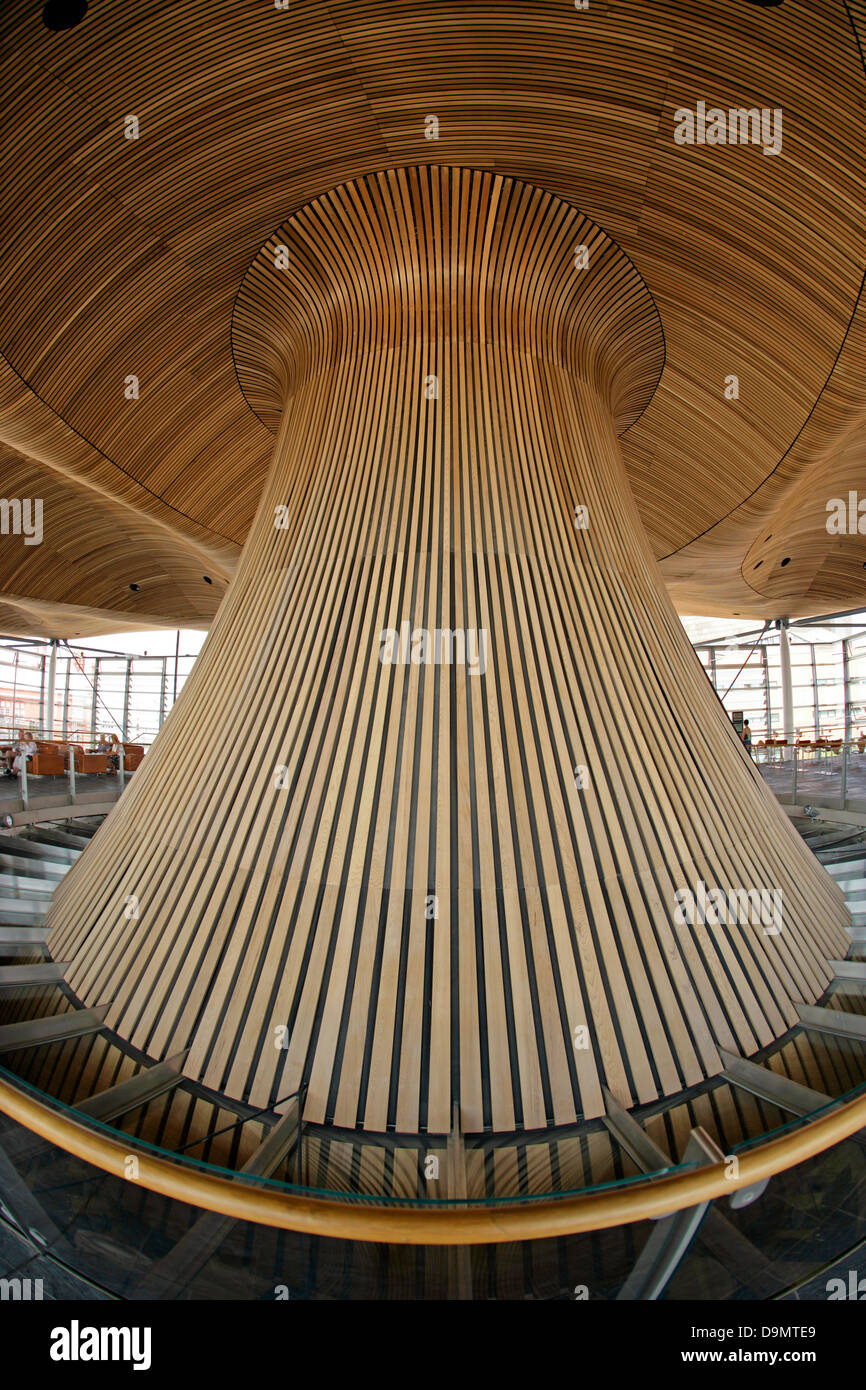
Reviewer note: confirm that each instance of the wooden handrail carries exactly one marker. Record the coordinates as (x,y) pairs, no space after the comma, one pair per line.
(485,1224)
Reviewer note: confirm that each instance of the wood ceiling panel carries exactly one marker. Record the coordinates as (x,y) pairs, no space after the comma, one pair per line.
(125,256)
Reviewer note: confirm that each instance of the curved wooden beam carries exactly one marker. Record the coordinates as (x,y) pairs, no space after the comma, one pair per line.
(491,1224)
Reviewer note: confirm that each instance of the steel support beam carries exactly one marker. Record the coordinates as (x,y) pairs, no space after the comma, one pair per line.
(129,1095)
(125,718)
(768,1085)
(832,1021)
(459,1256)
(44,973)
(65,727)
(37,1031)
(94,701)
(787,688)
(48,714)
(668,1243)
(171,1275)
(849,970)
(23,936)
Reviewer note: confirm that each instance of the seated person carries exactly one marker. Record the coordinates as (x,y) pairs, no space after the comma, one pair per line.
(24,753)
(12,751)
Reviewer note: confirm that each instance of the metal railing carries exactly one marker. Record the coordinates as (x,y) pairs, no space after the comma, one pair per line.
(442,1222)
(115,780)
(830,774)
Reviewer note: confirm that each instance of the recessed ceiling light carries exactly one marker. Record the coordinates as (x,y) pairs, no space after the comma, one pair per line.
(207,579)
(135,588)
(786,561)
(58,15)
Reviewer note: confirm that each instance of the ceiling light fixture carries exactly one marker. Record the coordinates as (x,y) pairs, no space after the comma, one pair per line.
(58,15)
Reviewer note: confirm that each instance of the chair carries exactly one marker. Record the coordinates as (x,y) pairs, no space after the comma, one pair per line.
(88,762)
(47,761)
(133,753)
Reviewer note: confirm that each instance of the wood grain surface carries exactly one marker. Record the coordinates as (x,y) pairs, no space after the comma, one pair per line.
(124,257)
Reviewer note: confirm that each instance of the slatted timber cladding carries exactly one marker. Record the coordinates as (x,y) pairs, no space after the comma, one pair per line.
(297,899)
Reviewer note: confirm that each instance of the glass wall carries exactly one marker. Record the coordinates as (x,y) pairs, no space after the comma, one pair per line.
(103,692)
(96,693)
(857,685)
(828,675)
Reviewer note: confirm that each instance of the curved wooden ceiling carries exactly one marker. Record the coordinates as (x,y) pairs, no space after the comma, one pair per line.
(125,256)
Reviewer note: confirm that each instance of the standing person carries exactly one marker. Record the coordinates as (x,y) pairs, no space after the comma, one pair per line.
(114,754)
(747,736)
